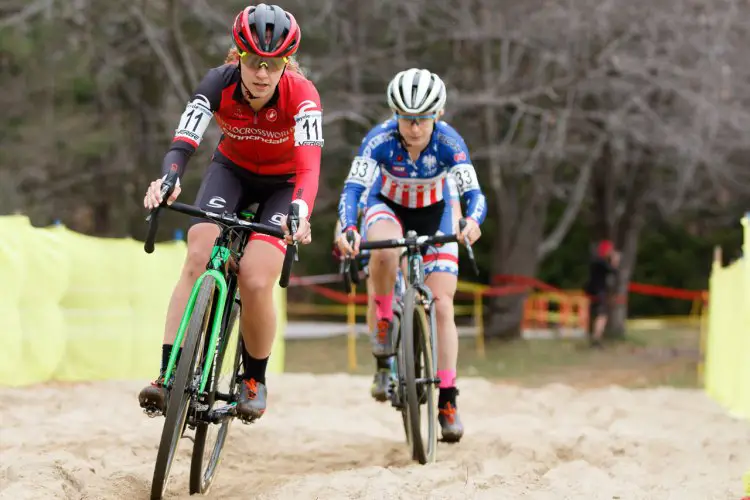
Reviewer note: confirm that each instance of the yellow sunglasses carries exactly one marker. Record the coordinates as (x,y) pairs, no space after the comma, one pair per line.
(255,61)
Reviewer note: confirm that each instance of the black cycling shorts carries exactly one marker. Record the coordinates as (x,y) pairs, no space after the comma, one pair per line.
(228,187)
(430,220)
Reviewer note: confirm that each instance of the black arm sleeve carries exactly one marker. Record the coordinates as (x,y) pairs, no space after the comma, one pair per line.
(178,154)
(195,119)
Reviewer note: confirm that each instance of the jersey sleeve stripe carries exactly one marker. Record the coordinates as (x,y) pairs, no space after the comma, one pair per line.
(186,140)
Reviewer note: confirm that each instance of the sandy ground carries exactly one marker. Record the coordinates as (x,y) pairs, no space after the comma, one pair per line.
(324,438)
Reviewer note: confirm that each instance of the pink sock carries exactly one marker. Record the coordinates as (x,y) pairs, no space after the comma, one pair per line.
(384,306)
(447,378)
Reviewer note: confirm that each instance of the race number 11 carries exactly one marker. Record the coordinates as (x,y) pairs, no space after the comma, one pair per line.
(308,129)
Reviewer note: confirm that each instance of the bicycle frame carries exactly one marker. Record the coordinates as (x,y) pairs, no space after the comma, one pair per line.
(416,279)
(217,269)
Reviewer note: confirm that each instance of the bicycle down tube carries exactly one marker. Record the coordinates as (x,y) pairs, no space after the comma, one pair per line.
(221,283)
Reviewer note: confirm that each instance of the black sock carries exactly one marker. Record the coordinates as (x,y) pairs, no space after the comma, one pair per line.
(447,395)
(254,368)
(166,349)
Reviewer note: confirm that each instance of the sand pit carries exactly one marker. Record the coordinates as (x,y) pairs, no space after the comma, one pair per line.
(324,438)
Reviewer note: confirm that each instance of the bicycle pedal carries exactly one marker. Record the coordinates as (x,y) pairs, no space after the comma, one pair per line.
(152,412)
(219,415)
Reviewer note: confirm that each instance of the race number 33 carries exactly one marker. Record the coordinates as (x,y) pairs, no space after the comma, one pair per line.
(466,177)
(362,170)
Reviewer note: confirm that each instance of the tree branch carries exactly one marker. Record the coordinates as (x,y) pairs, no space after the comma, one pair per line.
(179,40)
(555,238)
(26,13)
(158,48)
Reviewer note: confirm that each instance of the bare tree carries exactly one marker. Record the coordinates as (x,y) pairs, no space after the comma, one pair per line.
(637,109)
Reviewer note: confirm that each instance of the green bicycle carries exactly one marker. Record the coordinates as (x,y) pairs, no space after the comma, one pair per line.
(199,398)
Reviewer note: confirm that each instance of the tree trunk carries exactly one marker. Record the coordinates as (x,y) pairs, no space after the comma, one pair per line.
(516,254)
(616,325)
(620,220)
(629,224)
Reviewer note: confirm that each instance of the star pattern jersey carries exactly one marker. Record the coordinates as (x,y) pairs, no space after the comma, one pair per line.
(384,165)
(450,185)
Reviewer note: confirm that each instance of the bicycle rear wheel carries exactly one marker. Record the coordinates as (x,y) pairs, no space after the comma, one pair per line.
(419,374)
(181,391)
(209,437)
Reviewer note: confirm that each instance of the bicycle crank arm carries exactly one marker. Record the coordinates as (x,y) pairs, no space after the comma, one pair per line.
(221,414)
(224,397)
(435,381)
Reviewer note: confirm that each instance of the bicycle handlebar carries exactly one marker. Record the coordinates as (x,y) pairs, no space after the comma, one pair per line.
(350,267)
(291,250)
(415,241)
(409,241)
(229,219)
(167,186)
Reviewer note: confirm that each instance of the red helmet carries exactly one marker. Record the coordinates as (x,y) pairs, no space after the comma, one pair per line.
(255,23)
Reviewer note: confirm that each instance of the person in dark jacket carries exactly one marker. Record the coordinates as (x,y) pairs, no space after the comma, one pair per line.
(602,276)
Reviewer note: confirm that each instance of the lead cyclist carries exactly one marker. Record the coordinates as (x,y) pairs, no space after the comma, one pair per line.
(409,157)
(269,153)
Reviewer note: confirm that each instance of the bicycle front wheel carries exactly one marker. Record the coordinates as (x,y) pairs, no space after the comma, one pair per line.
(209,437)
(419,374)
(181,391)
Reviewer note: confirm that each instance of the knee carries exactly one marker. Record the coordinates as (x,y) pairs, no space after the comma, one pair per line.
(384,258)
(256,283)
(444,306)
(196,259)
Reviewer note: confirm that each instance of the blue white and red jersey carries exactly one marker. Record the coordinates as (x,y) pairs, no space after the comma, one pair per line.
(383,163)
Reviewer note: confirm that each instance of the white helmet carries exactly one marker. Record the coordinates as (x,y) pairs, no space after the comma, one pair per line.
(416,92)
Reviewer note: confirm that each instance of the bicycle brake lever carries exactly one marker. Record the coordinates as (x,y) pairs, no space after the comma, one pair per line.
(469,250)
(293,224)
(167,187)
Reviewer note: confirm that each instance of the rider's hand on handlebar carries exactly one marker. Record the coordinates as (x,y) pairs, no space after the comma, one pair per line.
(303,234)
(346,248)
(471,230)
(153,195)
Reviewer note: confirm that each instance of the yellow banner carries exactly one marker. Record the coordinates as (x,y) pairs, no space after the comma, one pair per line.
(727,370)
(79,308)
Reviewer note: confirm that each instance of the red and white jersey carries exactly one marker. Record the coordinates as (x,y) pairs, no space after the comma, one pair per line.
(283,138)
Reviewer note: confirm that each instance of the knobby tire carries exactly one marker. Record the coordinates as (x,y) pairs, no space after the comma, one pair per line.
(203,474)
(179,400)
(416,343)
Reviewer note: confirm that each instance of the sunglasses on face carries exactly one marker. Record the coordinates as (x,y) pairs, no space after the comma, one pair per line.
(418,120)
(254,61)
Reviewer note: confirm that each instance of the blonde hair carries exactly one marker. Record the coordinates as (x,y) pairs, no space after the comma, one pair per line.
(233,56)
